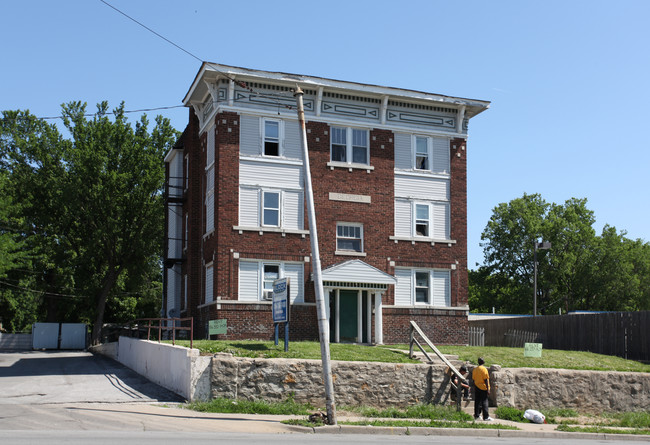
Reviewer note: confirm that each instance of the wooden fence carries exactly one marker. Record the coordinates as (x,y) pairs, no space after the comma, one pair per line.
(624,334)
(476,336)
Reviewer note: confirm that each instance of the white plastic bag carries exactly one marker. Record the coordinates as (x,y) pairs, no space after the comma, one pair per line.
(534,416)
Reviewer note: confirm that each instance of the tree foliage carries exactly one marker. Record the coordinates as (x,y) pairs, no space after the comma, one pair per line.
(92,205)
(581,271)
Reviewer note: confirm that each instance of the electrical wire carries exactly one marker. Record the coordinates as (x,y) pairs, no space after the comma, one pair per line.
(214,67)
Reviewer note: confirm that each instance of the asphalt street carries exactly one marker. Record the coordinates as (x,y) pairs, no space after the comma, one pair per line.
(77,397)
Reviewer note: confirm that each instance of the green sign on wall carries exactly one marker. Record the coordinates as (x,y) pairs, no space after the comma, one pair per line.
(216,327)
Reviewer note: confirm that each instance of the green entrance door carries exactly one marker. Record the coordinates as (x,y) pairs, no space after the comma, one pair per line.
(348,315)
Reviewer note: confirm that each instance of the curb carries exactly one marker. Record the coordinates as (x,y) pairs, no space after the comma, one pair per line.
(467,432)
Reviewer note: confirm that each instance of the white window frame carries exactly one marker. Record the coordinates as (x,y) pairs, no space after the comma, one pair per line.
(263,208)
(263,280)
(429,287)
(278,140)
(415,220)
(349,145)
(343,237)
(429,153)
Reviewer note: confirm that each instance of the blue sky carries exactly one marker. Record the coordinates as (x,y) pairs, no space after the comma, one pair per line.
(568,80)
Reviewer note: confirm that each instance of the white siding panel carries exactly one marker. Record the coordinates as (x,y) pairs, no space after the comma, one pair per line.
(250,136)
(209,284)
(441,288)
(174,227)
(265,174)
(403,156)
(176,176)
(210,147)
(249,207)
(441,220)
(172,277)
(292,148)
(423,188)
(440,155)
(402,217)
(293,210)
(249,281)
(403,287)
(295,272)
(209,213)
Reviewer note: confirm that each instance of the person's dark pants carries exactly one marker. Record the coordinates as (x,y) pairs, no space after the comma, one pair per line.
(481,403)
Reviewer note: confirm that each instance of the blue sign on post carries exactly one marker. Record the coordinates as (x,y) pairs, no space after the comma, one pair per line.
(280,309)
(281,300)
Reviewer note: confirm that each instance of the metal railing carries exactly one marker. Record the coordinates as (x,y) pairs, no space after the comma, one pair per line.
(157,325)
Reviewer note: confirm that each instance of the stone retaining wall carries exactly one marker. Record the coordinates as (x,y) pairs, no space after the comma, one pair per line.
(391,384)
(584,391)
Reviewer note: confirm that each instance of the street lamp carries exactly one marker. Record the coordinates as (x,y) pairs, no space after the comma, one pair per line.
(544,245)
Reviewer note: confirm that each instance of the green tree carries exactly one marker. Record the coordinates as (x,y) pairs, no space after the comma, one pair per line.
(94,201)
(581,271)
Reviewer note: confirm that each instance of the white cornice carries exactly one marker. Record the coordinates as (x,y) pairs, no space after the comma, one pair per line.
(210,72)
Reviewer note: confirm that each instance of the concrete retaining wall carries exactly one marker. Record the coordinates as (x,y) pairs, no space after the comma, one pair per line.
(176,368)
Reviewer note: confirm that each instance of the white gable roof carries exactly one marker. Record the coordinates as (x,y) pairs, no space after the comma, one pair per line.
(356,271)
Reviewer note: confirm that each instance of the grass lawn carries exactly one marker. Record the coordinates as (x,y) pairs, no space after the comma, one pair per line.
(506,357)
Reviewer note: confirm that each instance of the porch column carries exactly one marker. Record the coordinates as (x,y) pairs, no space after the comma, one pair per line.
(379,329)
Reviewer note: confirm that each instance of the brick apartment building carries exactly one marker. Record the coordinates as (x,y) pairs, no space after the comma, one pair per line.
(389,176)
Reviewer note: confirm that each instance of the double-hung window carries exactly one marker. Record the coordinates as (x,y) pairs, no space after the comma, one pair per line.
(422,287)
(422,155)
(271,209)
(349,237)
(422,220)
(350,146)
(271,137)
(271,273)
(430,154)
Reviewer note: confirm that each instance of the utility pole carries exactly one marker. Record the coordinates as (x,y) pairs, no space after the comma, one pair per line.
(323,327)
(540,246)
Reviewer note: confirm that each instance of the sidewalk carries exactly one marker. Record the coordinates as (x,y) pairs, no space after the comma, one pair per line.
(172,417)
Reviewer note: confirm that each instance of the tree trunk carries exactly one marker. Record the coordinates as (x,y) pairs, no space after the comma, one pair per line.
(109,281)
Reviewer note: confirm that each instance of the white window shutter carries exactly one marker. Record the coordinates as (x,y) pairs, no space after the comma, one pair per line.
(249,206)
(249,279)
(295,273)
(441,288)
(440,155)
(250,137)
(292,148)
(403,153)
(441,220)
(402,217)
(404,287)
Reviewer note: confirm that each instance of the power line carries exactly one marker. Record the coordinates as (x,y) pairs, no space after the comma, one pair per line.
(240,83)
(142,110)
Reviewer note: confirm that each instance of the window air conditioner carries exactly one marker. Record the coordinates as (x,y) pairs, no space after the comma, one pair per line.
(267,295)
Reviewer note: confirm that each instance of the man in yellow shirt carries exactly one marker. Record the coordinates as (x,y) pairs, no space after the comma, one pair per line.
(481,379)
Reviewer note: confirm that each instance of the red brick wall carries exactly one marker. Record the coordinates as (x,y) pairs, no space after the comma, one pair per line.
(376,217)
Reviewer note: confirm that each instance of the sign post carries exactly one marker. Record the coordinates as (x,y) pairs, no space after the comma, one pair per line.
(281,309)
